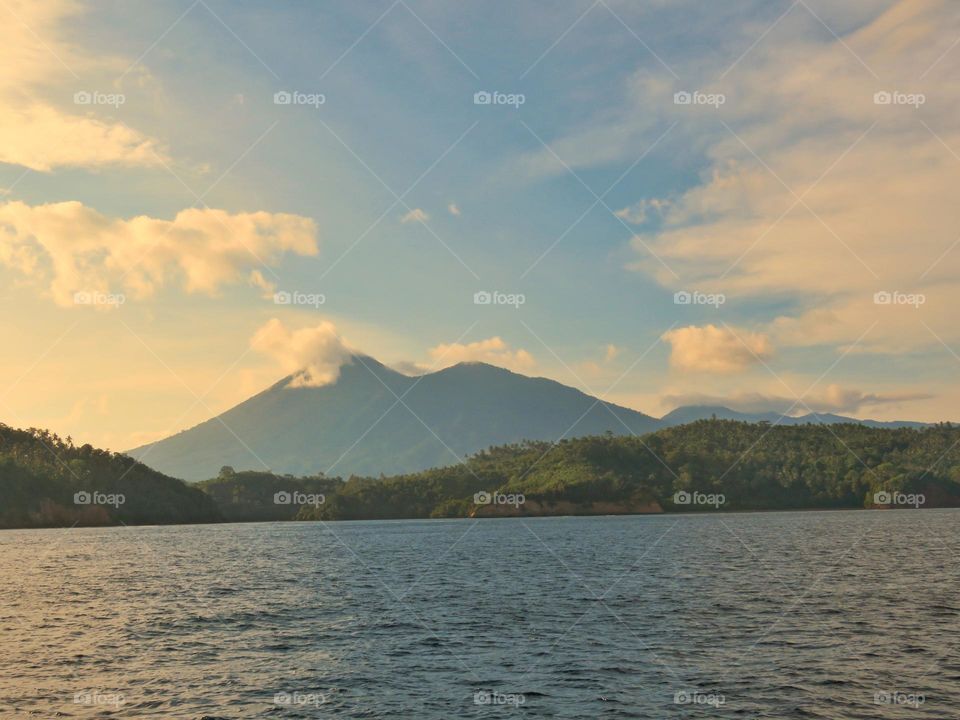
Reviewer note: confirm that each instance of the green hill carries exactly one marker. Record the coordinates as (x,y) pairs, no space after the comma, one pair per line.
(701,466)
(46,481)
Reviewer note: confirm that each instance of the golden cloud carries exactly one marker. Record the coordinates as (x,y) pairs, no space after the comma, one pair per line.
(71,248)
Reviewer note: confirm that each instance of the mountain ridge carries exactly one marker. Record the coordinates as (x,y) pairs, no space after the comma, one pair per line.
(375,420)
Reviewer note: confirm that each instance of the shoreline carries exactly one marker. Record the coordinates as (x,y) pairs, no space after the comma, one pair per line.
(703,513)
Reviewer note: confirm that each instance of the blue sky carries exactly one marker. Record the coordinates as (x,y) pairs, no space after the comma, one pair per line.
(772,200)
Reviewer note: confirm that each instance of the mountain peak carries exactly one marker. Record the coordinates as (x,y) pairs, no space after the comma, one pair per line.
(374,420)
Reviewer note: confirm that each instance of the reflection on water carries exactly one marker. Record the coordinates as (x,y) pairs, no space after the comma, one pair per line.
(779,615)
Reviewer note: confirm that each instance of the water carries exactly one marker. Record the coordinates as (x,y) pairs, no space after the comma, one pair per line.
(778,615)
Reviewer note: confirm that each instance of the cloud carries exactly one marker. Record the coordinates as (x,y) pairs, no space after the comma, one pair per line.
(610,353)
(313,355)
(833,399)
(716,350)
(410,368)
(453,209)
(492,350)
(38,64)
(415,215)
(69,247)
(639,212)
(267,288)
(825,197)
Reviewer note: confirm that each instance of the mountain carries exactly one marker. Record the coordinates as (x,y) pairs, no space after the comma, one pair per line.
(357,425)
(692,413)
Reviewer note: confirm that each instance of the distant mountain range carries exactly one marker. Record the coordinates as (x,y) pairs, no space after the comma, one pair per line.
(374,420)
(692,413)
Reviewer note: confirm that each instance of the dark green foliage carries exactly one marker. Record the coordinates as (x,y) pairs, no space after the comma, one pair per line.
(755,466)
(40,473)
(251,496)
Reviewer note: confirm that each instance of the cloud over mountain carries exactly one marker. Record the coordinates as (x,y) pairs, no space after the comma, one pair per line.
(715,349)
(314,355)
(832,399)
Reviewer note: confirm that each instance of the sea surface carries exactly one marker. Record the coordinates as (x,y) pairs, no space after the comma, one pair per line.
(768,615)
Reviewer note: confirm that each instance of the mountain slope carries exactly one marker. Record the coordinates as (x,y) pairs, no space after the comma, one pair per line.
(46,481)
(692,413)
(357,425)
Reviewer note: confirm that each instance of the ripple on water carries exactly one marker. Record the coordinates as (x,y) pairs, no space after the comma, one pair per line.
(419,619)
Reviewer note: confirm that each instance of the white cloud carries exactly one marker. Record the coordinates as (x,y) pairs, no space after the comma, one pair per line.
(313,355)
(714,349)
(415,215)
(69,248)
(38,64)
(410,368)
(878,211)
(833,399)
(492,350)
(267,288)
(453,209)
(639,212)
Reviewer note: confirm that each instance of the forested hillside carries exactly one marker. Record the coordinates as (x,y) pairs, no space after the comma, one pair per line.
(753,466)
(47,481)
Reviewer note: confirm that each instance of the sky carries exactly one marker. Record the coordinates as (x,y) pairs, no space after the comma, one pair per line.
(660,203)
